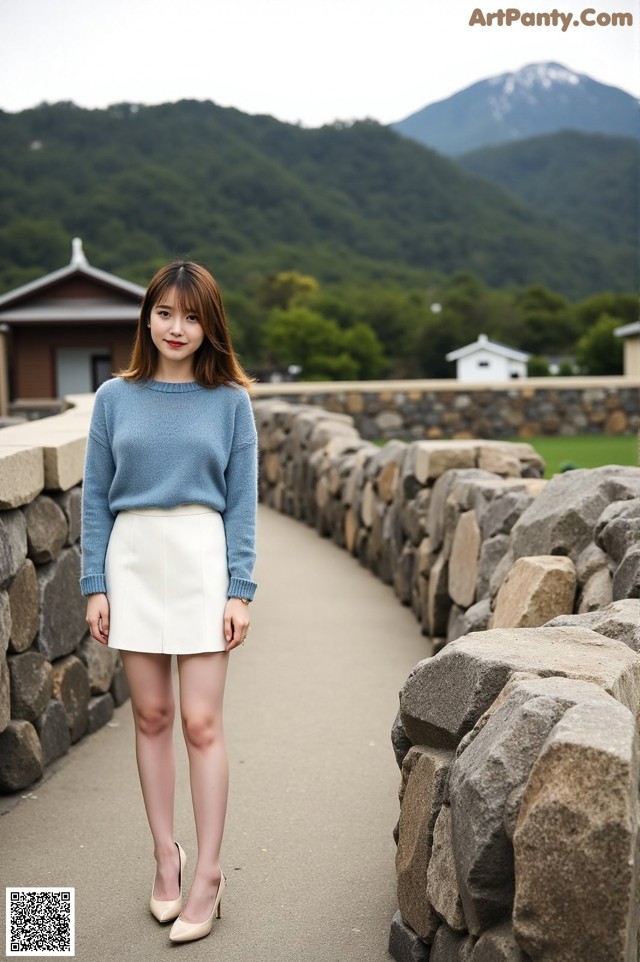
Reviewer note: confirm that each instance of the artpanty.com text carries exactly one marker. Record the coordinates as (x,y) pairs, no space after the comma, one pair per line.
(589,17)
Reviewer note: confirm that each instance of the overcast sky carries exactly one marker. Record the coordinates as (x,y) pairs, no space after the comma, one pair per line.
(307,61)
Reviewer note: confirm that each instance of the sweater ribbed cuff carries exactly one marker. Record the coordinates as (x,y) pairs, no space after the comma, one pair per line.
(93,584)
(239,588)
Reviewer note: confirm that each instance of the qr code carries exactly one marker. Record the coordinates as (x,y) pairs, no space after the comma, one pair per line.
(40,921)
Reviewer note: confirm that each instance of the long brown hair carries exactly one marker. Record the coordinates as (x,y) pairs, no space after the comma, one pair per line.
(195,289)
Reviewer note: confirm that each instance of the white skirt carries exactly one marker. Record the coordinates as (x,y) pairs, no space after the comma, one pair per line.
(167,580)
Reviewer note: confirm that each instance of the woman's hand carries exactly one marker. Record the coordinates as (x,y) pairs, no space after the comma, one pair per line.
(236,622)
(98,617)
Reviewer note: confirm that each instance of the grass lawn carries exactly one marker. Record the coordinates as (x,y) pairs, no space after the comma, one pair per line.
(585,451)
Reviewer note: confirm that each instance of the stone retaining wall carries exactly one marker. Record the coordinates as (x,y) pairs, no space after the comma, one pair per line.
(518,741)
(57,684)
(435,409)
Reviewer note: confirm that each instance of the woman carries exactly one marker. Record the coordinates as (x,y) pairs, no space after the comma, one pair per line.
(169,502)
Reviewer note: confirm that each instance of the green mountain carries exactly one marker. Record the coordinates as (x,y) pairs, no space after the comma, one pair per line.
(248,195)
(587,180)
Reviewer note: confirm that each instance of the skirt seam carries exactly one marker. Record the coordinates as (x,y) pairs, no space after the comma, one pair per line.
(128,566)
(202,584)
(164,582)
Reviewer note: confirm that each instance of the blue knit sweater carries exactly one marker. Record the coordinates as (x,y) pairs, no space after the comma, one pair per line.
(157,444)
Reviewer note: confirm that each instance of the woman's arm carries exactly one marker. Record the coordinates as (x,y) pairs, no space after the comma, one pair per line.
(97,519)
(239,515)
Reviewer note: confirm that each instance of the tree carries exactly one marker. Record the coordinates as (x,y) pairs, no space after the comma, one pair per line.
(41,244)
(316,343)
(285,289)
(396,318)
(587,312)
(324,367)
(363,346)
(599,351)
(546,322)
(537,367)
(246,323)
(300,336)
(566,369)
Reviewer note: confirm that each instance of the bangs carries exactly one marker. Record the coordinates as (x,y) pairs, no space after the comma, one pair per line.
(186,296)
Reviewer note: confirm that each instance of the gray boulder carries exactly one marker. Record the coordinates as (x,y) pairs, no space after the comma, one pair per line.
(445,695)
(442,882)
(456,623)
(498,945)
(71,687)
(476,618)
(535,590)
(414,516)
(421,802)
(438,599)
(492,551)
(31,680)
(486,783)
(13,544)
(100,662)
(5,621)
(508,504)
(597,591)
(23,602)
(463,562)
(404,944)
(401,744)
(576,840)
(619,620)
(47,528)
(440,493)
(119,685)
(20,756)
(450,946)
(590,560)
(562,518)
(71,503)
(626,578)
(5,694)
(62,608)
(618,528)
(53,731)
(100,712)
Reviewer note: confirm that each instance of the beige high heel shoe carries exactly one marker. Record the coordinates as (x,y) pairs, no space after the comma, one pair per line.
(165,910)
(183,931)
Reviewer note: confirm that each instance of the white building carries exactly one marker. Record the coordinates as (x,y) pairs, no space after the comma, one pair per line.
(631,335)
(486,360)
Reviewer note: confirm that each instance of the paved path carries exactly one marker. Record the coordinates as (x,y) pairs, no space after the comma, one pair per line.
(308,850)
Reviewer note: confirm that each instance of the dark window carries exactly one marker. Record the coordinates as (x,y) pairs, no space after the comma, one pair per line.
(100,370)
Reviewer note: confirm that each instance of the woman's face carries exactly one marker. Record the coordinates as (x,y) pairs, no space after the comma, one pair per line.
(176,332)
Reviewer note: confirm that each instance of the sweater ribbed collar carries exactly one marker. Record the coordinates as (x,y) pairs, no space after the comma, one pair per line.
(173,387)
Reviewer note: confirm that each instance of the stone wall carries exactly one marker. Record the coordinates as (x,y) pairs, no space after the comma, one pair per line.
(434,409)
(57,684)
(518,741)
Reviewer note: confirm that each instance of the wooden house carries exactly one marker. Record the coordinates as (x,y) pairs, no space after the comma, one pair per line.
(64,333)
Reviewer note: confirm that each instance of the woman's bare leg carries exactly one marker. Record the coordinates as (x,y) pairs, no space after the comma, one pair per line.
(202,681)
(152,703)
